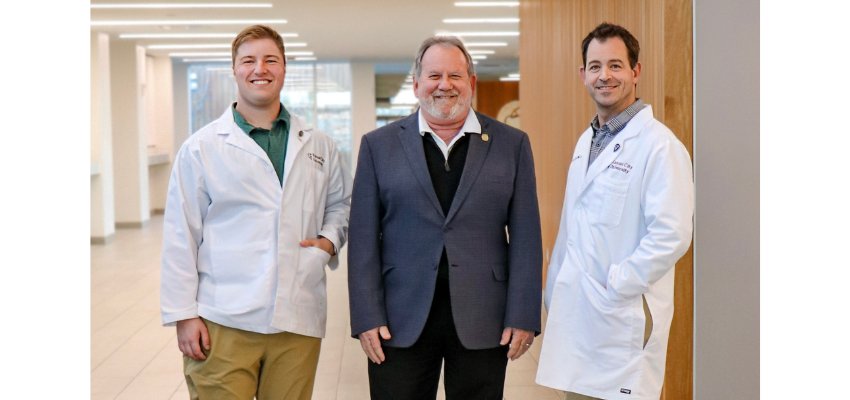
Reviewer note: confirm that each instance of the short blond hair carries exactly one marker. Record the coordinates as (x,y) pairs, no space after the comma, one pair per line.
(254,32)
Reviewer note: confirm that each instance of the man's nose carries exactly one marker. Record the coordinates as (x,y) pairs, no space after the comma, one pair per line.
(260,67)
(444,83)
(604,73)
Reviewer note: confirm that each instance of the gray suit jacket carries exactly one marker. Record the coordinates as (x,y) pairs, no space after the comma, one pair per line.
(398,230)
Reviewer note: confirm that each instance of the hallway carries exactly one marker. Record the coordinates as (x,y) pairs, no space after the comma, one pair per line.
(134,357)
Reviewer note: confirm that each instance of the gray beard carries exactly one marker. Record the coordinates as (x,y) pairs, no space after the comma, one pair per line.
(427,104)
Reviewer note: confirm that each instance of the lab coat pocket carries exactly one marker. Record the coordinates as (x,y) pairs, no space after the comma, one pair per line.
(609,328)
(234,271)
(608,199)
(310,281)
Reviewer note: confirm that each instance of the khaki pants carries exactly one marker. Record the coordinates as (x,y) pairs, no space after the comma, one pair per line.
(242,364)
(646,332)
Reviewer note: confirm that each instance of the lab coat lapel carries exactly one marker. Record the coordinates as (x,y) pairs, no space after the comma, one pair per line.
(299,135)
(411,142)
(475,156)
(616,146)
(237,137)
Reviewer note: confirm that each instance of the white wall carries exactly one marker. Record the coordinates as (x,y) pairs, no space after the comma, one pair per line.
(726,167)
(102,188)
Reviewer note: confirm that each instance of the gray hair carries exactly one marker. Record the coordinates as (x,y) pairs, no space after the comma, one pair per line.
(446,41)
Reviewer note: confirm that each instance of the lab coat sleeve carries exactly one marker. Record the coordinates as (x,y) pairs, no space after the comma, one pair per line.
(525,258)
(337,207)
(667,201)
(365,281)
(185,210)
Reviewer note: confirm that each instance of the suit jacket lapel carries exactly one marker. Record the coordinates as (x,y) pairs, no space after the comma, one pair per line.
(411,142)
(475,157)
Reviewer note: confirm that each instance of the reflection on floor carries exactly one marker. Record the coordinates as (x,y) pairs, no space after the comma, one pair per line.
(134,357)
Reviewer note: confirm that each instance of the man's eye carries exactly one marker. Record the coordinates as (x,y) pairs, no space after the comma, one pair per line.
(616,67)
(594,68)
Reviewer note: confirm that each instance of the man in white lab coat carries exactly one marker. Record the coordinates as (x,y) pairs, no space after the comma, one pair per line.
(257,206)
(627,219)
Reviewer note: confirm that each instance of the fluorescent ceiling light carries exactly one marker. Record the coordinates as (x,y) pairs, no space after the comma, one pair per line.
(486,4)
(208,54)
(509,79)
(187,46)
(179,5)
(514,75)
(485,44)
(473,52)
(188,35)
(481,20)
(205,46)
(189,60)
(479,57)
(305,59)
(137,22)
(480,34)
(227,54)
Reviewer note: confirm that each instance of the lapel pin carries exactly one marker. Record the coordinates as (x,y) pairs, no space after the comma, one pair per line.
(300,133)
(616,147)
(485,137)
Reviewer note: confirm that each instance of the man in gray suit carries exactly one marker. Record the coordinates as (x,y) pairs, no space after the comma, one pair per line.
(445,252)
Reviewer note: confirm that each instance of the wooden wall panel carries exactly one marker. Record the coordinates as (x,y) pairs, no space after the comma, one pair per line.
(556,109)
(492,95)
(678,106)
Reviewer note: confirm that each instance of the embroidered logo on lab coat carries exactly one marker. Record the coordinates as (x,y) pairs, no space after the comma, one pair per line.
(623,167)
(317,159)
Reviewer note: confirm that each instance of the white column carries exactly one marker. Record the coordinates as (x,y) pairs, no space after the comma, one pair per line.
(160,128)
(180,91)
(726,169)
(102,186)
(132,197)
(363,115)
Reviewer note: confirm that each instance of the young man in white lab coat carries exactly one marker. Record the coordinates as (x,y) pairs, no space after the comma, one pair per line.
(627,219)
(257,206)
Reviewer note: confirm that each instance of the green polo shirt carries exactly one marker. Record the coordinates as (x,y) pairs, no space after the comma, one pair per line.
(273,141)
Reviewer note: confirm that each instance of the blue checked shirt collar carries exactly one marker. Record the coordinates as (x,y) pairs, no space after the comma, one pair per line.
(603,135)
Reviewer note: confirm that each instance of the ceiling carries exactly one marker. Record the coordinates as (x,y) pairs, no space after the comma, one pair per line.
(386,32)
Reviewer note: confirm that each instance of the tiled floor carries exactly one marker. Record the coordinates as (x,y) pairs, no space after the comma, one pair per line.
(134,357)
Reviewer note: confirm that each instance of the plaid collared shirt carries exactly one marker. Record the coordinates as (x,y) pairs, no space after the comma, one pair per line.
(602,136)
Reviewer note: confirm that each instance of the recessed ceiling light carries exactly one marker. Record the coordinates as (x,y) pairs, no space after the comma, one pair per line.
(179,5)
(131,22)
(480,34)
(188,35)
(480,20)
(481,52)
(486,4)
(479,57)
(485,44)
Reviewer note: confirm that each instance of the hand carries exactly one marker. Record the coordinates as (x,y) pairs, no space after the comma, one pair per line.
(371,344)
(519,339)
(321,243)
(191,335)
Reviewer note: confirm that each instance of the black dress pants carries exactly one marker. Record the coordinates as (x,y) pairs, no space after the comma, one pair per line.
(413,373)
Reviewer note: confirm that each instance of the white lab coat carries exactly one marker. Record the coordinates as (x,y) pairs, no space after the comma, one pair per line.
(626,221)
(231,238)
